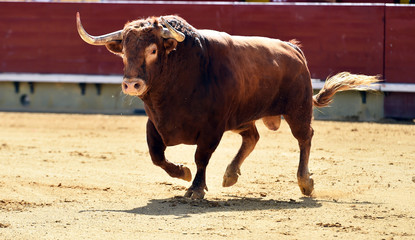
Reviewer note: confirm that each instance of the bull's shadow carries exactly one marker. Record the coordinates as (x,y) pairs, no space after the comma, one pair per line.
(184,207)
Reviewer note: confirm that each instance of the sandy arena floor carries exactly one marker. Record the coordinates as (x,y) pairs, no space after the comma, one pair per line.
(91,177)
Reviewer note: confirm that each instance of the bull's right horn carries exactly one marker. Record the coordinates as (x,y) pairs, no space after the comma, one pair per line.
(171,32)
(96,40)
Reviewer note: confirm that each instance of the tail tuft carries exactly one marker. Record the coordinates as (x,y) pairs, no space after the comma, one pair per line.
(341,82)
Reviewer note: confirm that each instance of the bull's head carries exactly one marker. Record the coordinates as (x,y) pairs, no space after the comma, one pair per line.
(142,44)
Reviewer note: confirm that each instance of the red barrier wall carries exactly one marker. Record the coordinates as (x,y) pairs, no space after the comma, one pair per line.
(335,38)
(400,44)
(41,37)
(400,59)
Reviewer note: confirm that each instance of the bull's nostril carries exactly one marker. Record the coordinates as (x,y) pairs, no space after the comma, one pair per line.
(136,86)
(125,85)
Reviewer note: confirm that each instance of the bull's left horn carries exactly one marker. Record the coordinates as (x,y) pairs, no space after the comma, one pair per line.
(96,40)
(171,32)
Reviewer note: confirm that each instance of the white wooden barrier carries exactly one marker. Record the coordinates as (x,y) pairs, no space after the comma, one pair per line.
(117,79)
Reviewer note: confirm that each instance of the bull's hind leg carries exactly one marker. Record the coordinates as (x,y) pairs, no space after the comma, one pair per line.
(302,131)
(156,148)
(250,137)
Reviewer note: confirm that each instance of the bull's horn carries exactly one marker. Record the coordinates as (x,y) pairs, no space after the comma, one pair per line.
(96,40)
(171,32)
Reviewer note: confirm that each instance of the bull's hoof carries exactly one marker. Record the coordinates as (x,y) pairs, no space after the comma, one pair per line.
(231,176)
(187,174)
(195,193)
(306,185)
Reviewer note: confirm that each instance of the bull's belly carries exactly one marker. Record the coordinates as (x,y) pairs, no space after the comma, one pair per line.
(243,117)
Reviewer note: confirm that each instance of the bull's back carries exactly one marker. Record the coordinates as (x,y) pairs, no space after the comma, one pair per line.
(264,76)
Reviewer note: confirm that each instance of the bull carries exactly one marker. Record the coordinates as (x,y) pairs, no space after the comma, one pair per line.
(198,84)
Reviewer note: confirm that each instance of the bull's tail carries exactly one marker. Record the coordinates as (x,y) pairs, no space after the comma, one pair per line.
(341,82)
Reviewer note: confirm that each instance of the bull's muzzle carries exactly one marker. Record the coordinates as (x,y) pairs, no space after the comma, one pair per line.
(134,86)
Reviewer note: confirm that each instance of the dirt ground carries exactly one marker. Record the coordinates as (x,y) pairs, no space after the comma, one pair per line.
(90,177)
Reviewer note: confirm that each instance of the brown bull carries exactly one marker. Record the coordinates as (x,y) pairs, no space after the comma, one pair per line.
(197,84)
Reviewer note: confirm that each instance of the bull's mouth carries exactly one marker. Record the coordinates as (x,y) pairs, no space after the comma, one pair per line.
(134,87)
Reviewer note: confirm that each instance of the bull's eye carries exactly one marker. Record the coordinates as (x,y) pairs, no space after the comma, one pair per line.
(150,53)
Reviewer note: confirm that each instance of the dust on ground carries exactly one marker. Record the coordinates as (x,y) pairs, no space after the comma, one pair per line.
(68,176)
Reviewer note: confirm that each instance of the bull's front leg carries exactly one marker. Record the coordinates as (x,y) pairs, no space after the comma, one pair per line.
(202,156)
(156,148)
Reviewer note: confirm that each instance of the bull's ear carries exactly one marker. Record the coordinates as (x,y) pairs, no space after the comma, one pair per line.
(115,47)
(170,45)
